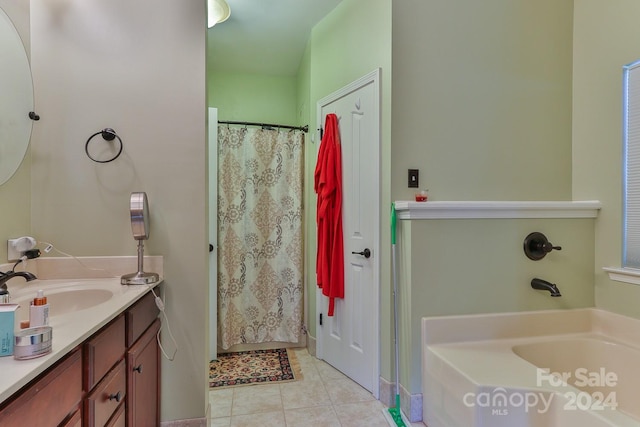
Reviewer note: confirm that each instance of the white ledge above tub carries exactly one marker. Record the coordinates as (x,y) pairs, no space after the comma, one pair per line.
(496,209)
(623,274)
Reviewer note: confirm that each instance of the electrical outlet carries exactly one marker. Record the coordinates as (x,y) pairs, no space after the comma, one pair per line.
(413,178)
(17,247)
(12,253)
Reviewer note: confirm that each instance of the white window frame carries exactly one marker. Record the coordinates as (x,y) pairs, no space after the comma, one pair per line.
(631,166)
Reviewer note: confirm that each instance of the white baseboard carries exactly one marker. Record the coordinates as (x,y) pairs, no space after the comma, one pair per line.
(311,345)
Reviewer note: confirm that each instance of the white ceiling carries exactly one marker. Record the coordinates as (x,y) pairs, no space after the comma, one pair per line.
(265,36)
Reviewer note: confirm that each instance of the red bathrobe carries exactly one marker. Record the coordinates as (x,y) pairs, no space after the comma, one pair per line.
(328,186)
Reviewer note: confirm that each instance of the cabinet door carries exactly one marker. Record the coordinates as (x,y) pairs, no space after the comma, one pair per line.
(50,399)
(102,351)
(143,380)
(106,397)
(140,316)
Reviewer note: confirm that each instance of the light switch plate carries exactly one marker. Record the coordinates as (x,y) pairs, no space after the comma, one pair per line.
(414,181)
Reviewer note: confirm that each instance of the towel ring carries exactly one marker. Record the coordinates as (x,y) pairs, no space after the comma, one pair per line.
(109,135)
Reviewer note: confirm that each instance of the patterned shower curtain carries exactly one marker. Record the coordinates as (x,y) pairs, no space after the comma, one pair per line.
(260,256)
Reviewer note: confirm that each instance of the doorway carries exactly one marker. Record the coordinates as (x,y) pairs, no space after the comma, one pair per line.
(256,231)
(349,340)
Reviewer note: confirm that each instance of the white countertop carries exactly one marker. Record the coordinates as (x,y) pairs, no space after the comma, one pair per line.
(69,329)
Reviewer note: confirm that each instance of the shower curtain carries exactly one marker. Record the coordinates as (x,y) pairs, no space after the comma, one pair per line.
(260,256)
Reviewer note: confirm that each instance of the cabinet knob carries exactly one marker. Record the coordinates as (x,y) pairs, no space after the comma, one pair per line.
(117,397)
(138,369)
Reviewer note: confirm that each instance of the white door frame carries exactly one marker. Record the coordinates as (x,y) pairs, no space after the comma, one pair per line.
(370,78)
(213,232)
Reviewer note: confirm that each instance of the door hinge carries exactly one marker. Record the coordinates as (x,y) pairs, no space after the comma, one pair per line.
(320,319)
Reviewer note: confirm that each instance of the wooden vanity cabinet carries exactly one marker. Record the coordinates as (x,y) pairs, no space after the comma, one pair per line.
(104,373)
(122,369)
(75,420)
(143,380)
(119,419)
(112,379)
(108,396)
(102,351)
(143,363)
(52,399)
(140,316)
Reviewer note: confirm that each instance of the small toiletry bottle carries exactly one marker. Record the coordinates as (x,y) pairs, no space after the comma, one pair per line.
(39,311)
(4,296)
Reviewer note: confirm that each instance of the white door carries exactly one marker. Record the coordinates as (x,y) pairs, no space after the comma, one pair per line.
(349,340)
(213,233)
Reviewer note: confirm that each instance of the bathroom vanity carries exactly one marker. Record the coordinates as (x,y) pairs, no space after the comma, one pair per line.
(104,367)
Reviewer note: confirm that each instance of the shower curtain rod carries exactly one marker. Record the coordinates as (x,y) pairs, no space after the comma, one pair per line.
(266,125)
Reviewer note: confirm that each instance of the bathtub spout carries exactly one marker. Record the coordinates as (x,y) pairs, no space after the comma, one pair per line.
(543,285)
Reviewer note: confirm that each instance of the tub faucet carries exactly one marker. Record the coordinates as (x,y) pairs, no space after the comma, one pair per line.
(543,285)
(10,274)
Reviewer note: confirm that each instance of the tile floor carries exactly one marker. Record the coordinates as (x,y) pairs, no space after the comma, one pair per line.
(324,397)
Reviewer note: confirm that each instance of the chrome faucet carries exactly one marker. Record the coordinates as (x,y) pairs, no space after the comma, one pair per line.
(543,285)
(10,274)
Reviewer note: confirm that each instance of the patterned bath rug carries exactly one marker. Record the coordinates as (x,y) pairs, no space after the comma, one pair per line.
(253,367)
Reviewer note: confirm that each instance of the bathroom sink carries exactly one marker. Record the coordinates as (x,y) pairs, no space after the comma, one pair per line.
(64,301)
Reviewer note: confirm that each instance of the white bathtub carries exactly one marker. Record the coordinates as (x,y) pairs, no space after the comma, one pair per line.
(545,368)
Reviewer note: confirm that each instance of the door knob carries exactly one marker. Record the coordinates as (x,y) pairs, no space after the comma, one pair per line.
(210,247)
(365,253)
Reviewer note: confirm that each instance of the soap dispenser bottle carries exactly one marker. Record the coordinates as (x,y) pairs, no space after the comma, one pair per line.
(39,311)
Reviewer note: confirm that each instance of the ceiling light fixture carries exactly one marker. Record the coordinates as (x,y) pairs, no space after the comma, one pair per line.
(217,11)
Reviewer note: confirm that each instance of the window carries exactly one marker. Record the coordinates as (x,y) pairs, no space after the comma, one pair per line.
(631,166)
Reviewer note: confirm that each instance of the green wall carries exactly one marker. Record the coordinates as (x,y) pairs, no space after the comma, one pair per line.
(353,40)
(517,101)
(482,98)
(303,108)
(467,266)
(606,37)
(483,108)
(253,97)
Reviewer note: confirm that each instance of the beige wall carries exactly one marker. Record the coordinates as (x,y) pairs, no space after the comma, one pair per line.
(18,12)
(139,68)
(482,106)
(606,37)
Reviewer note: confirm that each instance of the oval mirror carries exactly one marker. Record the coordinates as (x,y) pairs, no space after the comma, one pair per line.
(16,99)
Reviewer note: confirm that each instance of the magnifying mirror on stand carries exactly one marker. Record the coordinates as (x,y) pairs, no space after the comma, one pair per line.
(139,208)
